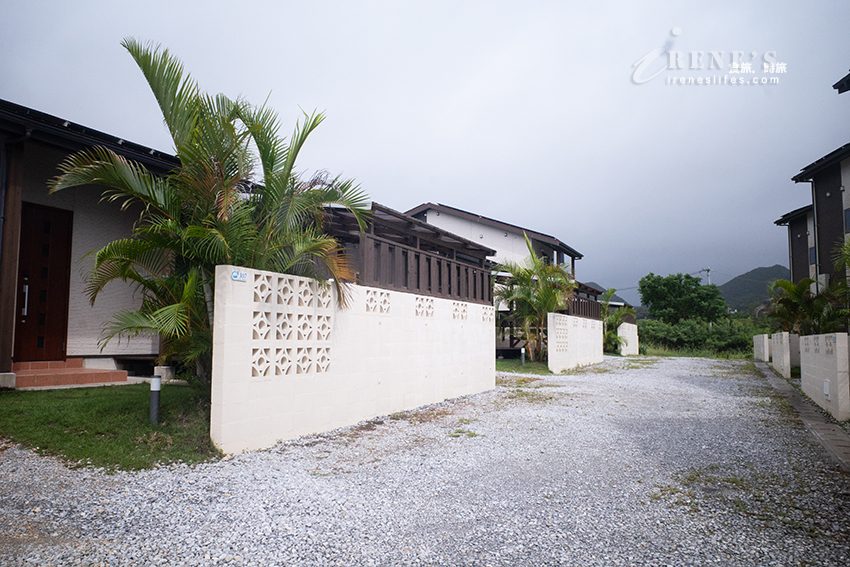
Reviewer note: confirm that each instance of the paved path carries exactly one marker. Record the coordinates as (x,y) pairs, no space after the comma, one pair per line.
(833,438)
(632,462)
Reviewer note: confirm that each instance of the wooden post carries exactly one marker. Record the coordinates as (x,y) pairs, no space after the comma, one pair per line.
(9,254)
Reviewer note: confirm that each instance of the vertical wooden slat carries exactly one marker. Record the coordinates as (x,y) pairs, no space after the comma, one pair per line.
(11,241)
(444,280)
(423,272)
(399,267)
(383,264)
(435,282)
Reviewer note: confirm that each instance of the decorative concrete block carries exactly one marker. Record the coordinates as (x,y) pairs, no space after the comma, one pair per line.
(287,361)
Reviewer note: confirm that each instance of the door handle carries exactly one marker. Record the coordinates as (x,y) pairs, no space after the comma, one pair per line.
(26,300)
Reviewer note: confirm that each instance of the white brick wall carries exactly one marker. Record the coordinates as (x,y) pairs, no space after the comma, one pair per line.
(288,362)
(629,331)
(824,365)
(761,348)
(780,353)
(573,341)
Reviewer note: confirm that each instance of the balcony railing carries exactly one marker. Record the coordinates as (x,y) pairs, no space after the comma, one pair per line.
(390,265)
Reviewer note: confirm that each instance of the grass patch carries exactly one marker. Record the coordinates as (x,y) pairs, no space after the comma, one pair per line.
(656,350)
(109,427)
(464,433)
(635,363)
(514,365)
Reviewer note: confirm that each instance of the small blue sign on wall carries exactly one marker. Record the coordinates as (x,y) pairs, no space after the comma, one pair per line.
(238,276)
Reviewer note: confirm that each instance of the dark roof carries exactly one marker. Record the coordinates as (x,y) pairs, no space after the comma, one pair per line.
(539,236)
(788,217)
(393,225)
(843,84)
(19,121)
(832,158)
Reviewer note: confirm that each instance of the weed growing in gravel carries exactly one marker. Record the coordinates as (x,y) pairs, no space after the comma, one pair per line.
(464,432)
(531,395)
(592,369)
(764,498)
(422,416)
(515,381)
(635,363)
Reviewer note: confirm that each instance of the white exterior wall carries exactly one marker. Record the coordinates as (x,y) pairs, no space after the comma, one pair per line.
(794,341)
(780,353)
(824,367)
(629,332)
(761,348)
(287,361)
(509,245)
(573,341)
(94,225)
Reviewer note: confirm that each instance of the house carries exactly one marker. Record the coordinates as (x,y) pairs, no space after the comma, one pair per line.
(506,239)
(801,242)
(46,321)
(508,242)
(816,230)
(399,252)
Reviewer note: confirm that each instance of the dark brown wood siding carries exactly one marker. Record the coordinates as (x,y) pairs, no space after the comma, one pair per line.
(798,232)
(830,218)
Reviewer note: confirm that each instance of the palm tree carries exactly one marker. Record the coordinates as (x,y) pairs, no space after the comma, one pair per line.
(234,199)
(799,310)
(532,290)
(611,321)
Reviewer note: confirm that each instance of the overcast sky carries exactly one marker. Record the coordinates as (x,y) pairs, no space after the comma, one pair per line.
(527,112)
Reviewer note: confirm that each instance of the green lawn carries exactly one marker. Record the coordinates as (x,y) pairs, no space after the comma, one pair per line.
(109,427)
(514,365)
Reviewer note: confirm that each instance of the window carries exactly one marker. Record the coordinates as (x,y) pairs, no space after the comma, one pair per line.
(846,220)
(812,255)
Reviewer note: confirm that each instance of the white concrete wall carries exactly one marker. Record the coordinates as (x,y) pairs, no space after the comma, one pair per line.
(761,348)
(780,353)
(288,362)
(629,332)
(824,367)
(95,224)
(573,341)
(795,349)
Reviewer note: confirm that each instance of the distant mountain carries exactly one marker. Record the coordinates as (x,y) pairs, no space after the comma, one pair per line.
(743,292)
(614,298)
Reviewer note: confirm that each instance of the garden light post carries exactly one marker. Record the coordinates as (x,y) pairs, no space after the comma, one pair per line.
(522,355)
(156,386)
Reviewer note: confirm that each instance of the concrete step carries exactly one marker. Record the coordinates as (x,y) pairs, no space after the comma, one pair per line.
(62,373)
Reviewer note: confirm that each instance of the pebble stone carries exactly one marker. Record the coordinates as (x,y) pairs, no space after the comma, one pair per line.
(630,462)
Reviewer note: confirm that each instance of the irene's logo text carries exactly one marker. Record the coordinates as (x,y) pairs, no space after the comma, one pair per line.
(717,63)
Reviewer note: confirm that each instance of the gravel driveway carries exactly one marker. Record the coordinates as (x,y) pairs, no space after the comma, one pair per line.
(631,462)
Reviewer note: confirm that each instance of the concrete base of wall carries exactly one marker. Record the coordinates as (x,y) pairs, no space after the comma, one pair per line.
(100,363)
(7,380)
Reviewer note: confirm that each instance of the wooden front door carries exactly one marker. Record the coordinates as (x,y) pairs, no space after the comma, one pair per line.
(44,269)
